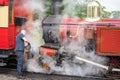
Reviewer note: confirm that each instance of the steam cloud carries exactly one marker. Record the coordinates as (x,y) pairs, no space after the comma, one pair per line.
(34,35)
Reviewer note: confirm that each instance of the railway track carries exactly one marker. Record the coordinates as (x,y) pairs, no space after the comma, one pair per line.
(41,76)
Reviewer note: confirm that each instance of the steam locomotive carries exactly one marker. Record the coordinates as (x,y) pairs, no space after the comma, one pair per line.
(62,35)
(101,36)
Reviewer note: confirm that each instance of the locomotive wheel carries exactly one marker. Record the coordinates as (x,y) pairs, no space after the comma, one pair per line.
(114,63)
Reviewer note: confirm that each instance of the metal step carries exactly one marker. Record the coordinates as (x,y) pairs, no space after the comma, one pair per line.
(3,56)
(3,64)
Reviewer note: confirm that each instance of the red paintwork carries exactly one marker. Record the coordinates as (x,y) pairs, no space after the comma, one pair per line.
(20,9)
(3,2)
(47,51)
(3,38)
(108,41)
(12,34)
(8,35)
(72,28)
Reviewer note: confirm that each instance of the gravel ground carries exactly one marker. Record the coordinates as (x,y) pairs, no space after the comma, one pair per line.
(7,74)
(45,77)
(7,77)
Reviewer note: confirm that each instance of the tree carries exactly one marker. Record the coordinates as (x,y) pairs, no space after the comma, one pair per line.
(105,14)
(115,14)
(48,4)
(77,8)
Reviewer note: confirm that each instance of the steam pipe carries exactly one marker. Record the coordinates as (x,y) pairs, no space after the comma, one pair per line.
(96,64)
(88,24)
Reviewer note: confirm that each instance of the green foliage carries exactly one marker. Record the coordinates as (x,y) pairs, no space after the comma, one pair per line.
(105,14)
(36,16)
(75,8)
(48,4)
(115,14)
(79,9)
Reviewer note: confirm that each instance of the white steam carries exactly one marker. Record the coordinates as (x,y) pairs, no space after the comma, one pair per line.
(70,8)
(68,67)
(82,68)
(34,33)
(34,28)
(77,67)
(33,5)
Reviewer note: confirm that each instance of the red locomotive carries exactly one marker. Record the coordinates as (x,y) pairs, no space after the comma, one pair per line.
(94,34)
(62,35)
(101,37)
